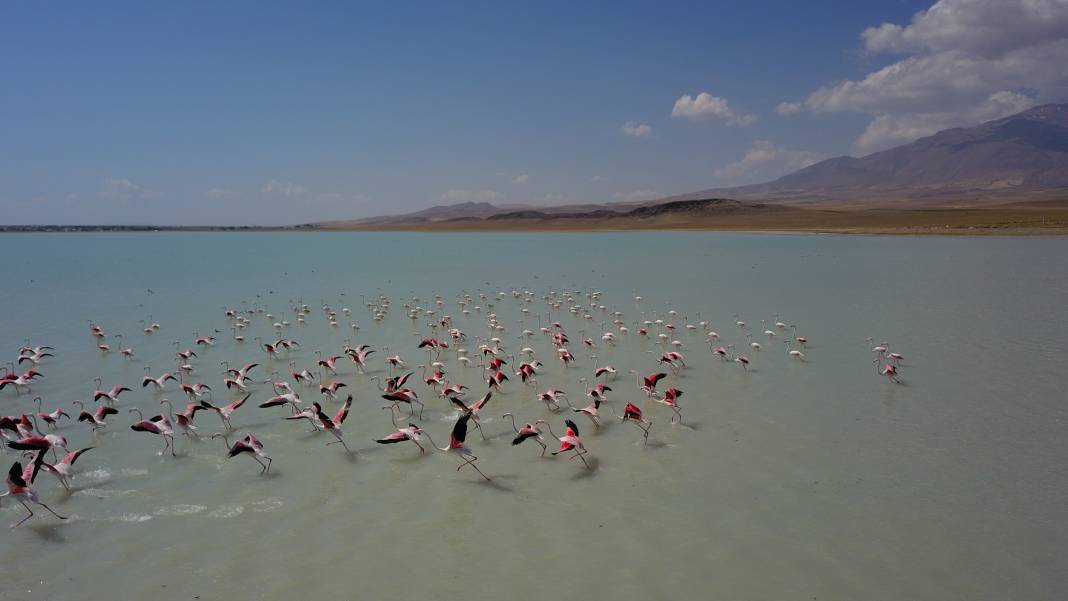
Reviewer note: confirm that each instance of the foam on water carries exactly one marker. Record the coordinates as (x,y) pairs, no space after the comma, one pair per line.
(227,511)
(180,509)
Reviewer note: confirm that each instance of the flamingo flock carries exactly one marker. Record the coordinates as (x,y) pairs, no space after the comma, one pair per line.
(455,363)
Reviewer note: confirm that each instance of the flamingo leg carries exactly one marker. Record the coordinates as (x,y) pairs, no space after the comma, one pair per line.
(27,509)
(580,454)
(50,511)
(471,462)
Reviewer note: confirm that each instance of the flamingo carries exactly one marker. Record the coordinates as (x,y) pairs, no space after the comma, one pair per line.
(64,468)
(590,411)
(633,414)
(394,361)
(127,353)
(195,390)
(570,441)
(34,356)
(457,445)
(20,486)
(606,370)
(412,432)
(95,419)
(160,425)
(473,409)
(226,411)
(111,396)
(52,419)
(329,364)
(329,389)
(552,396)
(240,374)
(249,445)
(405,395)
(648,383)
(29,442)
(22,381)
(159,382)
(528,431)
(185,418)
(333,425)
(889,370)
(671,400)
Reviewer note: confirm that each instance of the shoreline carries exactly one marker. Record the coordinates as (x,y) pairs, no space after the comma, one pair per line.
(1001,220)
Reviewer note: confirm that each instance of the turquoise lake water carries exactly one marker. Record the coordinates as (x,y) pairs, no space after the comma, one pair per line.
(814,479)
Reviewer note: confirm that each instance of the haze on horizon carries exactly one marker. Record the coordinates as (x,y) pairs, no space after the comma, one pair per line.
(246,113)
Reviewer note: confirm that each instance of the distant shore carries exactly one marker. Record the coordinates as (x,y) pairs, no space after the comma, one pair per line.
(1038,219)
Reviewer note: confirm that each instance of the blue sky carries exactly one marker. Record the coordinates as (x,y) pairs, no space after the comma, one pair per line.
(264,113)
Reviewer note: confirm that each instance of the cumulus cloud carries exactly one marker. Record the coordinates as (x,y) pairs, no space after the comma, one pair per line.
(966,61)
(519,180)
(120,189)
(706,107)
(456,196)
(220,193)
(789,108)
(280,188)
(765,161)
(636,195)
(635,129)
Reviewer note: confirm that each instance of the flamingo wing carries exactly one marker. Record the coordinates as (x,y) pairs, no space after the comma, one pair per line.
(398,436)
(523,435)
(237,404)
(74,455)
(343,412)
(480,403)
(459,431)
(14,475)
(572,429)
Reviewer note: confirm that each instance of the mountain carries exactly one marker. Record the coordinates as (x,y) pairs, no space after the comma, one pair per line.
(1024,155)
(1021,158)
(461,210)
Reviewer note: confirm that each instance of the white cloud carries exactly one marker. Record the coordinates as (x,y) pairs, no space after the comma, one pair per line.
(220,193)
(279,188)
(519,180)
(789,108)
(967,61)
(636,195)
(765,161)
(457,196)
(120,189)
(708,107)
(635,129)
(890,130)
(598,178)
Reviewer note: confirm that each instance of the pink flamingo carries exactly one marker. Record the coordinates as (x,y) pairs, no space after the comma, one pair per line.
(457,445)
(412,432)
(570,441)
(633,414)
(333,425)
(249,445)
(226,411)
(20,486)
(64,469)
(528,431)
(160,425)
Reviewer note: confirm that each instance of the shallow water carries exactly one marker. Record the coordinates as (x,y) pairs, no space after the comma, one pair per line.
(815,479)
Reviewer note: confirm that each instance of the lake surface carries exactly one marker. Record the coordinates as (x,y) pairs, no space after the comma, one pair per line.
(794,480)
